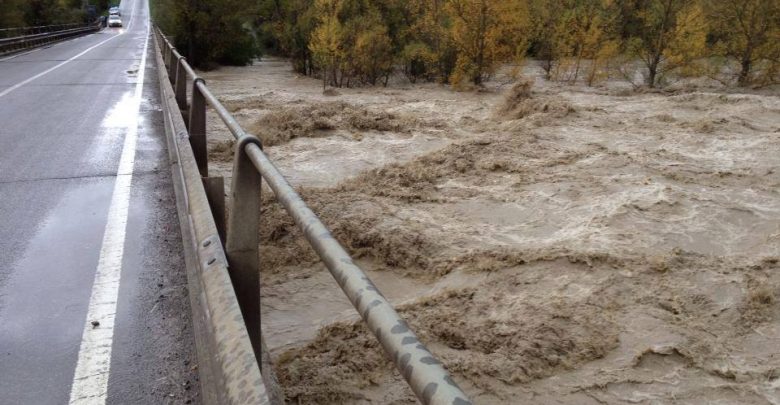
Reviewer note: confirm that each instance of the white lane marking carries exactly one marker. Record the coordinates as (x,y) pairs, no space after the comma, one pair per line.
(90,381)
(42,48)
(132,15)
(47,71)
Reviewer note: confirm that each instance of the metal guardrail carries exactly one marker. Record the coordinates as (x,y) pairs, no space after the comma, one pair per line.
(19,39)
(425,374)
(40,29)
(229,371)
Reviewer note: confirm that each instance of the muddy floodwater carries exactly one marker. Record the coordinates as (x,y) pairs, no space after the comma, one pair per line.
(571,246)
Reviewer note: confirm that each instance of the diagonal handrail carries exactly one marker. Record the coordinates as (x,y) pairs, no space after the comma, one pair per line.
(424,373)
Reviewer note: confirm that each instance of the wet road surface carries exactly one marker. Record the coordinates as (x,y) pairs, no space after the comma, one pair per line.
(68,114)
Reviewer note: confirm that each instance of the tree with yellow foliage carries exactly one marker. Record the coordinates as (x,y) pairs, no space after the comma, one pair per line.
(575,37)
(486,33)
(748,31)
(428,52)
(596,40)
(325,43)
(670,34)
(584,32)
(548,31)
(371,57)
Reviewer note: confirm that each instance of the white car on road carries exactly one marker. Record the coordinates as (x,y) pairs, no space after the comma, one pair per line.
(114,21)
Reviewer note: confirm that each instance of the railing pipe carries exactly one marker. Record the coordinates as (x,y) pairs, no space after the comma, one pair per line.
(221,111)
(230,373)
(424,373)
(190,71)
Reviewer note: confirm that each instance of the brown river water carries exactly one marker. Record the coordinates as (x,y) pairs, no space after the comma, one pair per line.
(580,246)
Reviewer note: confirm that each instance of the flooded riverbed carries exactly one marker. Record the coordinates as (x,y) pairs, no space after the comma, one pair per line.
(586,246)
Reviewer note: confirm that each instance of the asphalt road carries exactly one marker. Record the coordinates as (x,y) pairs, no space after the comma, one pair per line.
(93,299)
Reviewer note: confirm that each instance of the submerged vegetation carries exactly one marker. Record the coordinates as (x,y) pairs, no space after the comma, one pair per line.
(463,42)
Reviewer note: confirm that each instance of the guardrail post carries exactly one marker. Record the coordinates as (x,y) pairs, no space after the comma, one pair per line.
(422,371)
(242,237)
(164,50)
(181,84)
(242,249)
(171,64)
(167,58)
(197,127)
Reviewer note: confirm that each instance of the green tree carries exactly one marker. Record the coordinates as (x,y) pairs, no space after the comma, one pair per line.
(669,34)
(576,37)
(428,51)
(285,28)
(296,30)
(591,25)
(11,14)
(748,31)
(209,31)
(42,12)
(372,54)
(547,43)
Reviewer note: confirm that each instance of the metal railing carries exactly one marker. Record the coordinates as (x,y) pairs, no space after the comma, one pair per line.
(425,374)
(19,39)
(40,29)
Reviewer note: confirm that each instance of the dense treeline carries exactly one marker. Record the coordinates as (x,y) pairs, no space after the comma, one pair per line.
(349,42)
(31,13)
(209,31)
(364,41)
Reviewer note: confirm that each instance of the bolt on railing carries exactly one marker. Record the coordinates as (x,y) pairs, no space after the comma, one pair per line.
(425,374)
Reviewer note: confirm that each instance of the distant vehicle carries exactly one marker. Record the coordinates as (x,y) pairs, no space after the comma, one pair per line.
(114,11)
(114,21)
